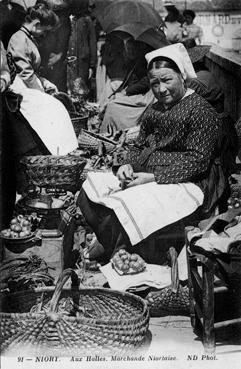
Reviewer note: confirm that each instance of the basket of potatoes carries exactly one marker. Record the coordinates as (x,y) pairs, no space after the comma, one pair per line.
(125,263)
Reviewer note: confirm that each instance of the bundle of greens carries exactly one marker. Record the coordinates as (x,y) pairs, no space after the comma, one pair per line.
(24,273)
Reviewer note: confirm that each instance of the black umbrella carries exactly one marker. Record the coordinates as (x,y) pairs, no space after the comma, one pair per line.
(120,12)
(144,33)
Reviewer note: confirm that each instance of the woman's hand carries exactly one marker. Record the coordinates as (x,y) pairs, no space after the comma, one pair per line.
(3,85)
(53,59)
(125,172)
(91,73)
(141,178)
(48,86)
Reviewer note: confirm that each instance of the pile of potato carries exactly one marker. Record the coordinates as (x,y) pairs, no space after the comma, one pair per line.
(20,227)
(125,263)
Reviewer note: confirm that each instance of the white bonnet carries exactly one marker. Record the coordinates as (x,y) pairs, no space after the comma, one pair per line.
(177,53)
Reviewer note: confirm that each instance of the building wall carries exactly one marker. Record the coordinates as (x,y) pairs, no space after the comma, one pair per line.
(226,67)
(219,19)
(219,27)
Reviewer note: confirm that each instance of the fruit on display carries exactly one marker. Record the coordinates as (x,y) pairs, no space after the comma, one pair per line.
(20,226)
(234,202)
(126,263)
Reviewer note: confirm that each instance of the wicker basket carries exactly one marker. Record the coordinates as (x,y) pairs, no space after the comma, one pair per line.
(167,302)
(109,322)
(89,140)
(171,300)
(79,122)
(53,171)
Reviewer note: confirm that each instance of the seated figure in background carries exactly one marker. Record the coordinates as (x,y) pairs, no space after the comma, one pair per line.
(130,99)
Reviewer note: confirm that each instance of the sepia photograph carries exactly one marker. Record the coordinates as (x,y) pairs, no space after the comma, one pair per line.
(120,184)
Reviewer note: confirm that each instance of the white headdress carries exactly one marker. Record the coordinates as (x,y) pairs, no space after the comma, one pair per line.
(168,3)
(178,54)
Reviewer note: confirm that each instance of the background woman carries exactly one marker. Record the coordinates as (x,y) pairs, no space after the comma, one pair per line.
(191,31)
(23,46)
(46,115)
(126,105)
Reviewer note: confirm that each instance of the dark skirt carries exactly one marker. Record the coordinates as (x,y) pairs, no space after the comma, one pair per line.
(17,139)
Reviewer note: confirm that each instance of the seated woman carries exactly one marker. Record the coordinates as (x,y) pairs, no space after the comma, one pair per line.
(167,173)
(111,70)
(46,115)
(23,46)
(128,102)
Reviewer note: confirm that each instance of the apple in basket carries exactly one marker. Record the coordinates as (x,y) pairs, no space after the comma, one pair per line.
(125,263)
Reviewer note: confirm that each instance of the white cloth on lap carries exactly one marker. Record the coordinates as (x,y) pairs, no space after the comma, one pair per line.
(146,208)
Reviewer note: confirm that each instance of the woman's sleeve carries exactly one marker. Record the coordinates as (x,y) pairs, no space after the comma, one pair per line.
(22,58)
(134,153)
(4,72)
(176,167)
(140,87)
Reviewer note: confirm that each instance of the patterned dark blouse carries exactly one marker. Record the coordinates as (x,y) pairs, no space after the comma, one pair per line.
(177,144)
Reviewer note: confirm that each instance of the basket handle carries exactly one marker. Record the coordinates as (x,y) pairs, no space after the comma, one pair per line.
(64,276)
(174,269)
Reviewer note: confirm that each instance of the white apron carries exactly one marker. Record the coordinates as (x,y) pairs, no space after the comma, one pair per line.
(48,117)
(146,208)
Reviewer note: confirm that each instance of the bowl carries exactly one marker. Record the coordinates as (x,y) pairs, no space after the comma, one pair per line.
(18,239)
(53,204)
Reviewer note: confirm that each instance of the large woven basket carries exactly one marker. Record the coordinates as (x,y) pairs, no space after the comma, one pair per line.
(109,322)
(53,171)
(90,140)
(79,122)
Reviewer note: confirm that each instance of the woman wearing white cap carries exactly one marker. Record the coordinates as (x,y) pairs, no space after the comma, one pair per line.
(168,170)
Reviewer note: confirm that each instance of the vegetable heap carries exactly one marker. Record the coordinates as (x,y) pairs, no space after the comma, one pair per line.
(24,273)
(125,263)
(21,226)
